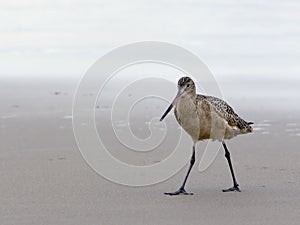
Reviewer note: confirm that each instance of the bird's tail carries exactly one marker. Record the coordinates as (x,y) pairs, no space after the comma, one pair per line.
(249,128)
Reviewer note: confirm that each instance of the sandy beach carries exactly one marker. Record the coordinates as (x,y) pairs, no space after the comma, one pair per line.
(44,179)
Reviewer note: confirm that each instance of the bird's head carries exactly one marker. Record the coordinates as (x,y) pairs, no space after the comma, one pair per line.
(186,86)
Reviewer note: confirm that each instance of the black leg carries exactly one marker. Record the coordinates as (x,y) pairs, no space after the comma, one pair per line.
(181,189)
(235,184)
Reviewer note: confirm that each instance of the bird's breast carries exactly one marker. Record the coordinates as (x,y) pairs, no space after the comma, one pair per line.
(186,115)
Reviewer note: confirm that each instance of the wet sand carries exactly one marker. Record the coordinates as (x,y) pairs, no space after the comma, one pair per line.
(44,179)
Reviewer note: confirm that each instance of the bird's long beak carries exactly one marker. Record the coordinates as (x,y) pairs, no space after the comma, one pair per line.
(179,93)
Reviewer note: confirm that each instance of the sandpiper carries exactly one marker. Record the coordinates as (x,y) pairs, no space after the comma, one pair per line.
(205,117)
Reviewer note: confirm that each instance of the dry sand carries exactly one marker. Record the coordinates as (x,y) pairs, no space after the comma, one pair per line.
(44,179)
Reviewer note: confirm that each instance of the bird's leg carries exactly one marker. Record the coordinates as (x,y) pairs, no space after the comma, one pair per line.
(181,190)
(235,184)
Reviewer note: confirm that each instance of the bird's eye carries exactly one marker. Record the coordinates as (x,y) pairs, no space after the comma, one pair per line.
(188,85)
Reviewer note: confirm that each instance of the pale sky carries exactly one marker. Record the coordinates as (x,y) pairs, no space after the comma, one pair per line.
(58,38)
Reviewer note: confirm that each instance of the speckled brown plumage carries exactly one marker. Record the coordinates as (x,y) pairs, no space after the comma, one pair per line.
(226,111)
(215,118)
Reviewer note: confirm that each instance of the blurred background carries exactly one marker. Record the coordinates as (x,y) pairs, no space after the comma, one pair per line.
(63,38)
(253,44)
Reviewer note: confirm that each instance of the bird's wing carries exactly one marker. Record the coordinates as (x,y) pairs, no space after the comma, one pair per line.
(225,111)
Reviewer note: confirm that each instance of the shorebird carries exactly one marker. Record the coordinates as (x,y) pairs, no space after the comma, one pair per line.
(205,117)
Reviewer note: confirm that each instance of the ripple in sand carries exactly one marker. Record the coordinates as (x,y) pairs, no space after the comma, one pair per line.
(263,124)
(157,125)
(291,124)
(120,123)
(103,108)
(292,129)
(263,127)
(68,117)
(8,116)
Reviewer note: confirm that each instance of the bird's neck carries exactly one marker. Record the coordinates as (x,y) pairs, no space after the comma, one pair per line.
(187,97)
(192,95)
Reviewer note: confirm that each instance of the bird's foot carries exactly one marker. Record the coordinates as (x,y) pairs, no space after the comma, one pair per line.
(181,191)
(234,188)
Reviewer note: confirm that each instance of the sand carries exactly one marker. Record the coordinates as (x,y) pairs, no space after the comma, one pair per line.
(44,179)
